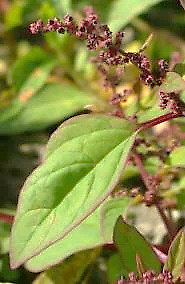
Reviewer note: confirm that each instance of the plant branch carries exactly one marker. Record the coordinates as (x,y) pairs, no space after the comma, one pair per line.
(150,197)
(6,218)
(158,120)
(168,223)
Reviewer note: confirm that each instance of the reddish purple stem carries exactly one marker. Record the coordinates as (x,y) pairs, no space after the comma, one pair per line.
(158,120)
(6,218)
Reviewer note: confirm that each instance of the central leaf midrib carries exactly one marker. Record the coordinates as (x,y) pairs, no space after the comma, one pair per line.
(123,131)
(95,164)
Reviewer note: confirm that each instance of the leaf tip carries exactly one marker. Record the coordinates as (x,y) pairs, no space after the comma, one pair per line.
(13,264)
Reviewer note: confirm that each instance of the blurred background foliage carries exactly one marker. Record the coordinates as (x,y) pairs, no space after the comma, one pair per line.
(45,79)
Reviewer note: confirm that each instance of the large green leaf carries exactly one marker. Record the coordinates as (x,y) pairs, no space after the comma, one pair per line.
(123,11)
(51,104)
(89,234)
(84,160)
(175,262)
(131,243)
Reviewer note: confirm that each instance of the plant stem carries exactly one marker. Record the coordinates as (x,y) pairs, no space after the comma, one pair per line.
(146,177)
(158,120)
(168,223)
(6,218)
(140,166)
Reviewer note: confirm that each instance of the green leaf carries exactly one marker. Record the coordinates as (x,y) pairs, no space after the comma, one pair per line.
(182,97)
(36,77)
(6,273)
(180,68)
(36,80)
(175,262)
(177,157)
(21,12)
(69,271)
(130,243)
(26,65)
(123,11)
(12,110)
(172,83)
(150,113)
(14,15)
(4,237)
(181,199)
(62,7)
(115,268)
(89,234)
(51,104)
(181,194)
(83,162)
(109,213)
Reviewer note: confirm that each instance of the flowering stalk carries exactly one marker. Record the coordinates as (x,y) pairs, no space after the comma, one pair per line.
(100,38)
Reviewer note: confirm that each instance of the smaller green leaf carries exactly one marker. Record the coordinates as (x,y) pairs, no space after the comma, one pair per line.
(69,271)
(53,103)
(150,113)
(6,273)
(14,15)
(173,83)
(175,262)
(181,195)
(177,157)
(180,68)
(109,213)
(12,110)
(4,237)
(131,243)
(182,97)
(122,12)
(115,269)
(36,80)
(88,235)
(62,7)
(24,66)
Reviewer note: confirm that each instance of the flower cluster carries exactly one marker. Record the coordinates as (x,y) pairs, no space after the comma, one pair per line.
(148,278)
(150,196)
(163,68)
(99,37)
(172,102)
(90,29)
